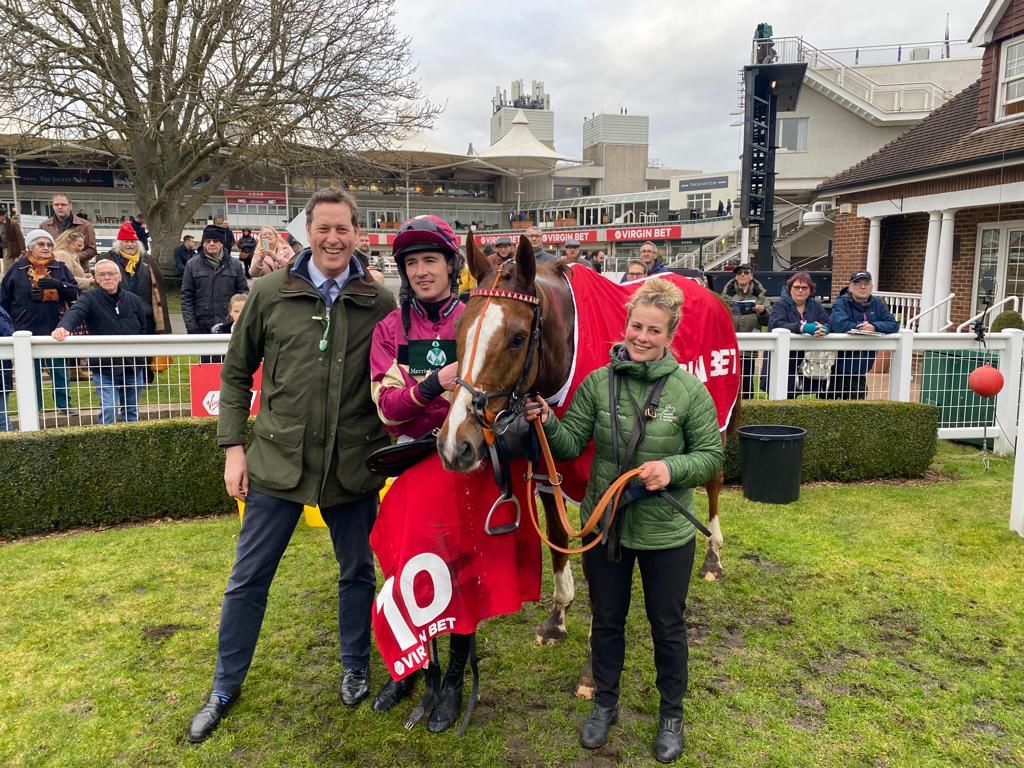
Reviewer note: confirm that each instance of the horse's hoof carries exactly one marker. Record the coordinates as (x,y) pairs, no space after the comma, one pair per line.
(549,639)
(550,633)
(585,691)
(711,570)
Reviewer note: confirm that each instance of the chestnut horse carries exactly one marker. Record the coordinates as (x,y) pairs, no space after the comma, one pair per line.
(500,329)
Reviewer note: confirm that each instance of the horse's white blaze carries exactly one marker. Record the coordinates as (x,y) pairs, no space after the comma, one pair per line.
(565,588)
(491,321)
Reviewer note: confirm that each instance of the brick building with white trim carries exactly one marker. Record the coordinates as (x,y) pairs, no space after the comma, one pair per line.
(940,209)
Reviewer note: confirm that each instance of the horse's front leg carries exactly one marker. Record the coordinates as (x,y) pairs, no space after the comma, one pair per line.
(553,629)
(712,568)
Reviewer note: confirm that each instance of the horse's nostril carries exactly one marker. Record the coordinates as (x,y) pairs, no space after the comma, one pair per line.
(465,453)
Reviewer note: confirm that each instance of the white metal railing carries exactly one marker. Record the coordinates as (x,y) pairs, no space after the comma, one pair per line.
(910,367)
(713,254)
(1013,301)
(885,97)
(873,55)
(940,309)
(903,305)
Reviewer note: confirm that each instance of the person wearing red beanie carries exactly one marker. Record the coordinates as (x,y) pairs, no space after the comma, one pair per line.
(141,276)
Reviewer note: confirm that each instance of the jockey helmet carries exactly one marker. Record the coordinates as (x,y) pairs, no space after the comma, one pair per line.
(427,233)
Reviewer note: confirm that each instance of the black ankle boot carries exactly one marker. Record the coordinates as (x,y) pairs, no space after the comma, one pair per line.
(594,731)
(669,742)
(393,692)
(449,703)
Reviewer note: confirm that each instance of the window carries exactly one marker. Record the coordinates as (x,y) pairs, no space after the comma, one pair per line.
(699,201)
(999,262)
(1011,79)
(792,134)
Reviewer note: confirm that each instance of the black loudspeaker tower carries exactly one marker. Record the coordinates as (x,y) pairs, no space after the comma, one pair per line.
(768,90)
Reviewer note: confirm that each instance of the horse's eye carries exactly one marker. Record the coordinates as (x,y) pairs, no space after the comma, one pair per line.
(517,340)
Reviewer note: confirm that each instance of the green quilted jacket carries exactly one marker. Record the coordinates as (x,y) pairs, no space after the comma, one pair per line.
(684,434)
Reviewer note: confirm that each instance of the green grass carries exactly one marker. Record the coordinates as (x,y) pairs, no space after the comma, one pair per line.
(878,624)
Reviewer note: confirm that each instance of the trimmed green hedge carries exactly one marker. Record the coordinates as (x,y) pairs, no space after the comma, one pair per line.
(848,440)
(63,478)
(103,475)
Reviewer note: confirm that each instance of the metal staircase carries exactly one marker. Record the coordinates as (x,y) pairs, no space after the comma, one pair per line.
(726,248)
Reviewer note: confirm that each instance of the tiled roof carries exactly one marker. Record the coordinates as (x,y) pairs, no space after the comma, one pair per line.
(948,138)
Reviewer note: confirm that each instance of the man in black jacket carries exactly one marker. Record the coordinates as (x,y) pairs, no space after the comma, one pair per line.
(183,253)
(209,282)
(109,311)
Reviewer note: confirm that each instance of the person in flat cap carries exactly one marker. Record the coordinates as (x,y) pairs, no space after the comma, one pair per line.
(857,311)
(750,310)
(491,254)
(571,250)
(504,249)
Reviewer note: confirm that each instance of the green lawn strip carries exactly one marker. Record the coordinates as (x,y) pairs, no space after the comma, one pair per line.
(872,624)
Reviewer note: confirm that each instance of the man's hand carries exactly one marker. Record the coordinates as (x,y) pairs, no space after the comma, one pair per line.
(60,333)
(866,327)
(236,474)
(654,475)
(759,308)
(447,376)
(376,274)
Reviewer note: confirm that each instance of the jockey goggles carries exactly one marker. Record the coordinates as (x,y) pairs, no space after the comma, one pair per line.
(425,233)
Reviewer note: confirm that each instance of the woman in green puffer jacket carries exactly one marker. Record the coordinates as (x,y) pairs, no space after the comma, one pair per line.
(681,449)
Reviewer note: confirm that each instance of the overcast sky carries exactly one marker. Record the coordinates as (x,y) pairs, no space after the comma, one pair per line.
(675,61)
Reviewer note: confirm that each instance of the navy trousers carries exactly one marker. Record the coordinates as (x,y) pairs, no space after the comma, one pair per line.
(267,528)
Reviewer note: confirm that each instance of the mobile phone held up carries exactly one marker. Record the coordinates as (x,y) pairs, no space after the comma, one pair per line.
(264,243)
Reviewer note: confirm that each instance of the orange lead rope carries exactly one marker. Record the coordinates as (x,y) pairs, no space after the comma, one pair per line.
(610,496)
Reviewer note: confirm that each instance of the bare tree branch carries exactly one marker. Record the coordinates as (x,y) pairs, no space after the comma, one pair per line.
(183,93)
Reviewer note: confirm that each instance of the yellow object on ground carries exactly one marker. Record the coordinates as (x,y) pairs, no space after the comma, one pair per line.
(311,515)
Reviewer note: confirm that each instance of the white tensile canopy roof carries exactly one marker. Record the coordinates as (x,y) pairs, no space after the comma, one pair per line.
(521,150)
(416,150)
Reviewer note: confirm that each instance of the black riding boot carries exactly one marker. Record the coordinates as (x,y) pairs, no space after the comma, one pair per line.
(446,710)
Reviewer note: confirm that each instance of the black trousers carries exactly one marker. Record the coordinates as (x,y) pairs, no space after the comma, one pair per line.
(665,574)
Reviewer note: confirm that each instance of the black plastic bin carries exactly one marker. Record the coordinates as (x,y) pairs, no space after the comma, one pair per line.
(770,457)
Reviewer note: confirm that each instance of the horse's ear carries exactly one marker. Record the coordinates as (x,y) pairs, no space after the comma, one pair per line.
(477,262)
(526,264)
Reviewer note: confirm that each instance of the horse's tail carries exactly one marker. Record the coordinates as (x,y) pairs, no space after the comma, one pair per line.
(734,422)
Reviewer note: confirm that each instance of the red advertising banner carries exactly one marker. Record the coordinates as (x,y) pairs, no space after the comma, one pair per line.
(619,234)
(204,383)
(253,197)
